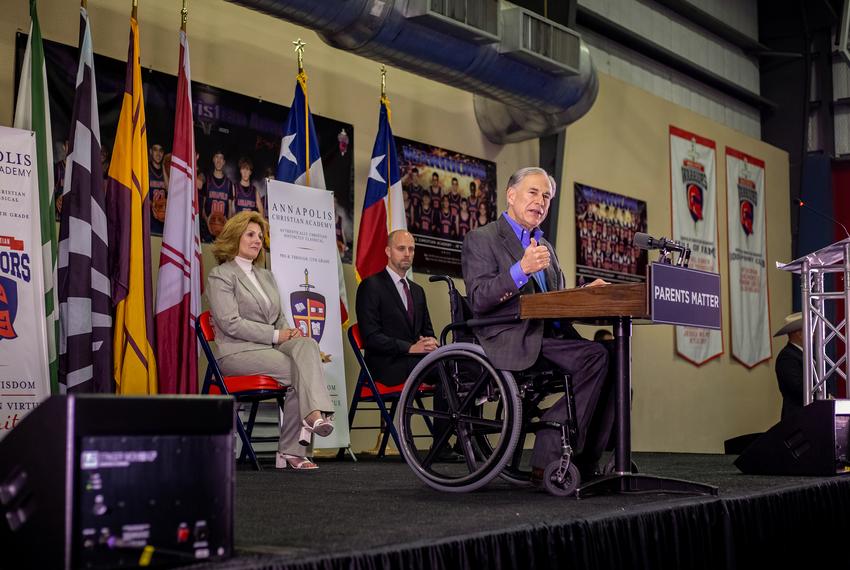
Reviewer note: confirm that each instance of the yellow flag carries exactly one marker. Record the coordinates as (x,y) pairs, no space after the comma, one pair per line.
(128,206)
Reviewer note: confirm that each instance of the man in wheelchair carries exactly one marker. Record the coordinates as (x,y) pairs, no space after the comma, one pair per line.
(508,258)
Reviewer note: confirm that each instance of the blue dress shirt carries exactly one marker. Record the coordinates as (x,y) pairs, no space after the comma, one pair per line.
(524,236)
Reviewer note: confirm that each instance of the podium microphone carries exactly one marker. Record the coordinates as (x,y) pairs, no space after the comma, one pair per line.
(646,241)
(802,204)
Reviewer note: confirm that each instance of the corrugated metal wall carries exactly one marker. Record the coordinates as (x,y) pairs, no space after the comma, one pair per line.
(658,24)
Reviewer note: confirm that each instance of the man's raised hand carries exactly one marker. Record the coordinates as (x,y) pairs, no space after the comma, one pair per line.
(535,258)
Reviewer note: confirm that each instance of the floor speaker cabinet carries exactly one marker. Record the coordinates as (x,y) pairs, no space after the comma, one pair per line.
(96,481)
(812,442)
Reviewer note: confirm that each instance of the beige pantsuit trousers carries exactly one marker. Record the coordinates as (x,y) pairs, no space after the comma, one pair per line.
(295,363)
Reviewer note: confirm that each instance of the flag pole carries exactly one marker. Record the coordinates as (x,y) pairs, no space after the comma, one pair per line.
(386,104)
(299,49)
(302,79)
(135,12)
(184,16)
(84,4)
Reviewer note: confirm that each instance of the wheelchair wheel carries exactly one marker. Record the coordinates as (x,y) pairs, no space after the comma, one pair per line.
(564,488)
(515,471)
(484,416)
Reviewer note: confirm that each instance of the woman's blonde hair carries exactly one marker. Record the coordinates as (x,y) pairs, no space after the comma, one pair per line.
(226,245)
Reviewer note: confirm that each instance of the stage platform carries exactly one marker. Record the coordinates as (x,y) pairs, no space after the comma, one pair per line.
(375,514)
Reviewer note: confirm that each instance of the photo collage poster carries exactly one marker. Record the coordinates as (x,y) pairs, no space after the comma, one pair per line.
(606,224)
(237,139)
(446,195)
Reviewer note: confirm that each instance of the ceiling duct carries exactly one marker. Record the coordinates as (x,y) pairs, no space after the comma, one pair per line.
(519,95)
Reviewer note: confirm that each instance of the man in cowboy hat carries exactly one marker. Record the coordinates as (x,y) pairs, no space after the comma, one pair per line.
(789,365)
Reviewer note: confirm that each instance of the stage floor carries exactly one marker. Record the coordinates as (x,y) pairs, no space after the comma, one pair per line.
(376,514)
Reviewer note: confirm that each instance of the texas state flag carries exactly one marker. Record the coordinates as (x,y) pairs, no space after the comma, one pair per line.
(301,163)
(300,143)
(383,206)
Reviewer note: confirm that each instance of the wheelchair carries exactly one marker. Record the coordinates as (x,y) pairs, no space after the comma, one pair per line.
(490,412)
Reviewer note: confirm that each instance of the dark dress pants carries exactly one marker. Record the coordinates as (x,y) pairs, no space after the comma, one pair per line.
(593,391)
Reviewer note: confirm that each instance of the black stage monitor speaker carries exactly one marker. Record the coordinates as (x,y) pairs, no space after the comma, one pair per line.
(91,481)
(812,442)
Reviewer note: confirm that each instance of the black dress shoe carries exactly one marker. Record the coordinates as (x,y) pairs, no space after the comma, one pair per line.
(448,456)
(589,471)
(537,476)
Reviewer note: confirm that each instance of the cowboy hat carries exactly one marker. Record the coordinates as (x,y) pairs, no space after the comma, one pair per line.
(793,322)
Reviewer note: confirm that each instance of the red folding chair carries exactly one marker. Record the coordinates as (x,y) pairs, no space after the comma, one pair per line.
(369,390)
(244,389)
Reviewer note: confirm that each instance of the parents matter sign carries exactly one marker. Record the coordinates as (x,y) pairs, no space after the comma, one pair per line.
(24,376)
(304,264)
(681,296)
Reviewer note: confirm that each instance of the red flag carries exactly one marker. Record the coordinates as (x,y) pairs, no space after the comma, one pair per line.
(178,301)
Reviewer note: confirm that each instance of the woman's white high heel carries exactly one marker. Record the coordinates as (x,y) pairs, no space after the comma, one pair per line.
(322,427)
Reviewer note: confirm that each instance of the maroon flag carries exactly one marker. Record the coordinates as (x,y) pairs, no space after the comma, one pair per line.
(178,300)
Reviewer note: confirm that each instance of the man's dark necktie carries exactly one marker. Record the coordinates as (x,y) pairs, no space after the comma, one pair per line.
(409,299)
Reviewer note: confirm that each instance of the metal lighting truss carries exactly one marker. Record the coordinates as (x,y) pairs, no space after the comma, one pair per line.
(819,330)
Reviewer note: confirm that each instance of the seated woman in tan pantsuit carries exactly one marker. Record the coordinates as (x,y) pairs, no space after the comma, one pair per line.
(253,337)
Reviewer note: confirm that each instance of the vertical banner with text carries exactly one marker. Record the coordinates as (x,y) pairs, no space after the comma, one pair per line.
(748,301)
(693,187)
(303,261)
(24,374)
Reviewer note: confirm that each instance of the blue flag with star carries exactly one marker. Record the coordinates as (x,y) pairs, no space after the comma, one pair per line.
(300,161)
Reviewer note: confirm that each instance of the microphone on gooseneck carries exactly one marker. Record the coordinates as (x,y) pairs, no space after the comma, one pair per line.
(646,241)
(802,204)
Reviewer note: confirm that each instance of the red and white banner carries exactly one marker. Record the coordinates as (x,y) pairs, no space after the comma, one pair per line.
(748,300)
(178,300)
(693,187)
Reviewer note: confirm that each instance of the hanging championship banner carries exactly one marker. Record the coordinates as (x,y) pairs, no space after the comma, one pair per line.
(303,261)
(24,376)
(693,190)
(748,302)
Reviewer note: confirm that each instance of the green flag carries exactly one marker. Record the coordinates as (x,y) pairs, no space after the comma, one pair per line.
(33,113)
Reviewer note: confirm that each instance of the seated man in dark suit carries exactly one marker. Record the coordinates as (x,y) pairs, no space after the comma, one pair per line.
(789,365)
(394,319)
(508,258)
(393,315)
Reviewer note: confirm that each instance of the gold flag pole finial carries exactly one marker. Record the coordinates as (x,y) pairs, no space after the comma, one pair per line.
(184,16)
(383,82)
(299,49)
(135,11)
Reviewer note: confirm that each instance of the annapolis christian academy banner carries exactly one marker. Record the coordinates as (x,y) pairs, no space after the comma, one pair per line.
(693,187)
(304,264)
(748,302)
(24,376)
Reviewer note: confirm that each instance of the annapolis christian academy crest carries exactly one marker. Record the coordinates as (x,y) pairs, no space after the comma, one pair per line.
(308,310)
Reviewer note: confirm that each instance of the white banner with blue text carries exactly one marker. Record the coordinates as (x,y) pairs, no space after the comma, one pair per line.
(24,374)
(304,263)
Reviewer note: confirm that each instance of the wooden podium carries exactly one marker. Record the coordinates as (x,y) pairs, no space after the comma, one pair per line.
(617,305)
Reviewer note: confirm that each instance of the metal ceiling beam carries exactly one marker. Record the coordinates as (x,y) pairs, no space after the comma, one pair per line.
(716,26)
(601,25)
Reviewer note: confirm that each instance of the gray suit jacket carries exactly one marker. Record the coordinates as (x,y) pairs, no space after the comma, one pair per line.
(488,254)
(242,319)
